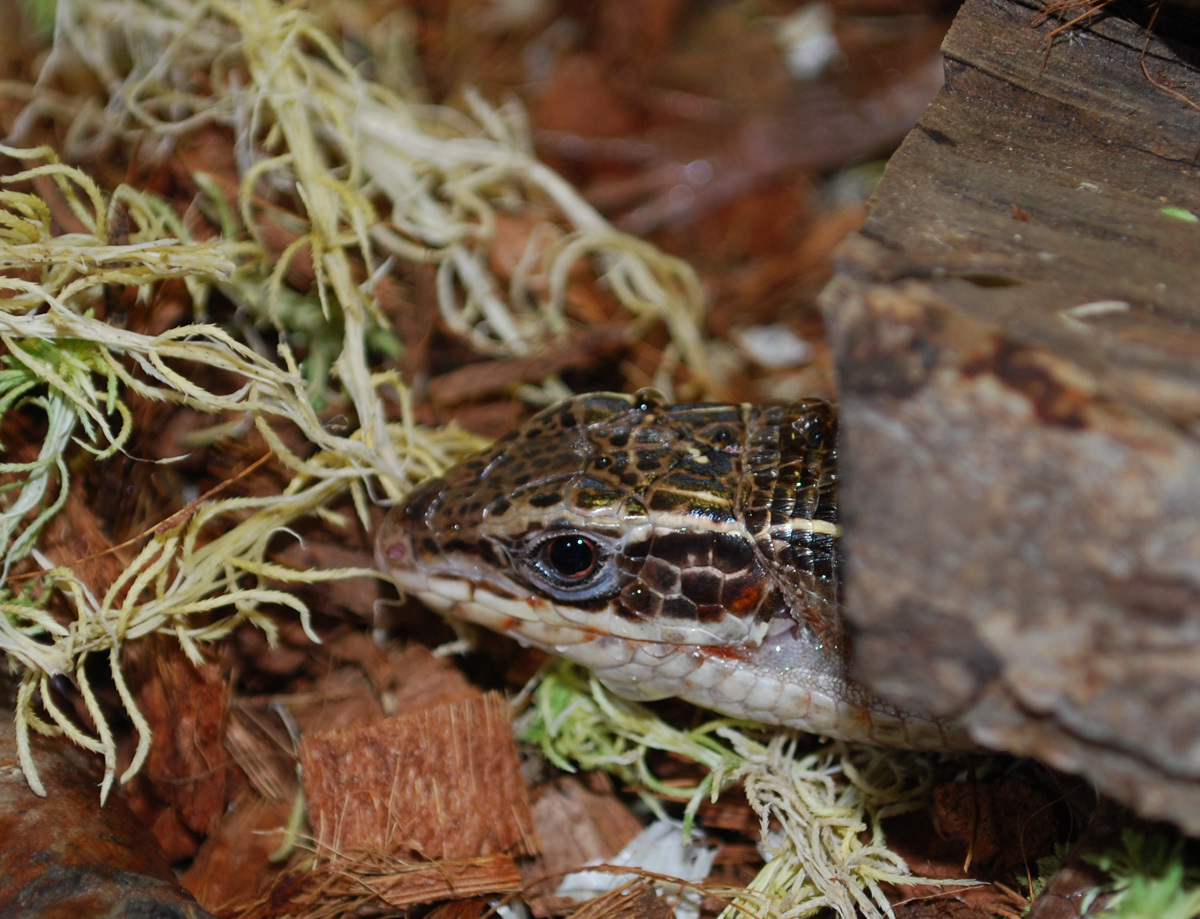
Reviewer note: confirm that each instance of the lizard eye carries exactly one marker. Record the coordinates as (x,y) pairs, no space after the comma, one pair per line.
(570,565)
(572,557)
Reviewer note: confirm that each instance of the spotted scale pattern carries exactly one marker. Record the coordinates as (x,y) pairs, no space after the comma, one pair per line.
(687,550)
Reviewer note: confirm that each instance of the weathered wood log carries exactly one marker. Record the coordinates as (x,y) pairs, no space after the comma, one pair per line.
(1017,336)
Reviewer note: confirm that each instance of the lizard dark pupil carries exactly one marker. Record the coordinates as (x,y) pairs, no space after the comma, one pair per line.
(572,557)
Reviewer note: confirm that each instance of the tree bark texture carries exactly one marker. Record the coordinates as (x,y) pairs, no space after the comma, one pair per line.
(1017,338)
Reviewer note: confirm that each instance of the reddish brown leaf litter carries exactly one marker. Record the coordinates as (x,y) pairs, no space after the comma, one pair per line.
(416,808)
(988,830)
(189,776)
(1072,891)
(367,883)
(410,808)
(635,900)
(235,858)
(580,824)
(584,350)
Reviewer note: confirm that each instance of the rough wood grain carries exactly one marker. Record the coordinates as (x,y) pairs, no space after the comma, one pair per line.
(440,782)
(1022,470)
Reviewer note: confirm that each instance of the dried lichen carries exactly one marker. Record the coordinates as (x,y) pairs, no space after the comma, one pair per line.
(75,368)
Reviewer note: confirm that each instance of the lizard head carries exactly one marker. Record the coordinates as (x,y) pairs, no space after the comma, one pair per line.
(604,515)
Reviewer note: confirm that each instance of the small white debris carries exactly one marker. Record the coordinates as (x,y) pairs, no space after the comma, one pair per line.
(1098,308)
(806,37)
(659,849)
(511,909)
(775,346)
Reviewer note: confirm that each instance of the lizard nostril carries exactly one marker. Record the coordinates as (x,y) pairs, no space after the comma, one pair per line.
(396,552)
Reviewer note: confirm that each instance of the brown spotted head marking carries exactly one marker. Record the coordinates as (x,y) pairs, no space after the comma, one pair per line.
(621,515)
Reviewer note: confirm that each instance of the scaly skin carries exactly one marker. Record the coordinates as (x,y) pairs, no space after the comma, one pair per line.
(685,550)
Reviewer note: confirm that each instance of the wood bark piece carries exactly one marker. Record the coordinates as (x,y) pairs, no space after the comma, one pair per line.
(235,860)
(635,900)
(402,885)
(66,856)
(370,883)
(189,777)
(576,825)
(1017,336)
(442,782)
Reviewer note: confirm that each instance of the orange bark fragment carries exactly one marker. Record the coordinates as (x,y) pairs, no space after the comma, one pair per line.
(451,879)
(442,781)
(189,776)
(233,862)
